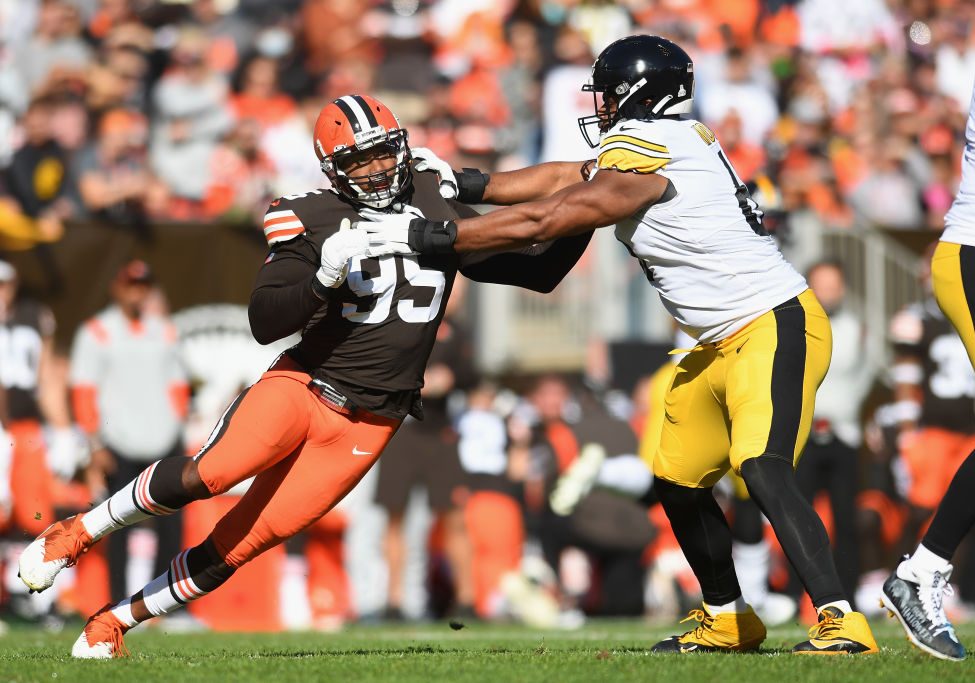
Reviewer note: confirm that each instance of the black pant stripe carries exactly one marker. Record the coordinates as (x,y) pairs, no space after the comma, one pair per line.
(222,426)
(966,259)
(788,372)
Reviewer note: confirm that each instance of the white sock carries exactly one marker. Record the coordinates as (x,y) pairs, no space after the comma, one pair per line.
(843,606)
(737,606)
(128,506)
(123,612)
(160,594)
(923,563)
(752,562)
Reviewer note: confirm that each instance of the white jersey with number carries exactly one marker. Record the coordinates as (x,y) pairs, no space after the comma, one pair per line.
(960,219)
(702,246)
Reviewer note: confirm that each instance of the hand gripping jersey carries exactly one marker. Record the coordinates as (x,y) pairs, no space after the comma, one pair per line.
(960,219)
(947,379)
(373,335)
(702,245)
(21,340)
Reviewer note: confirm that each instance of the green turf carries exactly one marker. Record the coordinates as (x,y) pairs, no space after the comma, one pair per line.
(602,651)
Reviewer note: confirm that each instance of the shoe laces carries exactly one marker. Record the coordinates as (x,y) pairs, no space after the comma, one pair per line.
(104,627)
(826,627)
(932,600)
(706,623)
(66,542)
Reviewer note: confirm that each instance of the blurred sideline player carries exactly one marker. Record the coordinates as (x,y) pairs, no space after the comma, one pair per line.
(914,592)
(36,396)
(425,453)
(46,450)
(743,398)
(320,417)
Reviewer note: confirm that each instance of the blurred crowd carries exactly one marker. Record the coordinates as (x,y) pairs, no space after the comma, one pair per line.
(142,112)
(138,111)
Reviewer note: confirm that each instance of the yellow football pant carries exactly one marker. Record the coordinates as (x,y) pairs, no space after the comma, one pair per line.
(953,276)
(747,395)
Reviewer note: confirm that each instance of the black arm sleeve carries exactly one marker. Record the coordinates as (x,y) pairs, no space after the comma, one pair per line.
(283,300)
(539,269)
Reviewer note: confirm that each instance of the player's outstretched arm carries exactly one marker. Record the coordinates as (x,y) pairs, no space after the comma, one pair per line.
(533,183)
(472,186)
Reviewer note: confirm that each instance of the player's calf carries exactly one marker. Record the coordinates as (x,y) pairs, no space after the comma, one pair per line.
(161,489)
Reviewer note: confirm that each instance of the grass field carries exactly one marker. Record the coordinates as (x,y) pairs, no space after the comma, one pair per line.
(602,651)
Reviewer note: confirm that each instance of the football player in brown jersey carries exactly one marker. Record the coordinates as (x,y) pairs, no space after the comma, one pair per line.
(319,418)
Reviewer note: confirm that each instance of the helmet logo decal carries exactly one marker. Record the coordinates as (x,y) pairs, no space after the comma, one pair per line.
(682,91)
(622,88)
(367,137)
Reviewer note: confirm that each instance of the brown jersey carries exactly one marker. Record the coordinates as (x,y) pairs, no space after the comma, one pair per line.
(371,337)
(947,382)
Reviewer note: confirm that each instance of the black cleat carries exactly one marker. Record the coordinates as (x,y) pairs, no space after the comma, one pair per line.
(918,605)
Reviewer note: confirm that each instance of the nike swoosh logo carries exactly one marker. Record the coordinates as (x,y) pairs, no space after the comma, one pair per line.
(356,451)
(688,648)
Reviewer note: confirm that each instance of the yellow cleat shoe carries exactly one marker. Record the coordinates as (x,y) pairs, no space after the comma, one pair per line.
(838,634)
(732,632)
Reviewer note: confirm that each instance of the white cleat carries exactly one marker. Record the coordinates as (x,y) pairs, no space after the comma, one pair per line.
(58,547)
(101,638)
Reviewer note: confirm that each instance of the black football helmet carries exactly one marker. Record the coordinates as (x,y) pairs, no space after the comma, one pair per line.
(639,77)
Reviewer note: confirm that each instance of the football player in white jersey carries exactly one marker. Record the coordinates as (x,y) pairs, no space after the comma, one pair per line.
(743,397)
(914,592)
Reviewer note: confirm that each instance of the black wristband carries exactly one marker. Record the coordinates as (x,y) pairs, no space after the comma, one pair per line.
(432,237)
(318,289)
(471,184)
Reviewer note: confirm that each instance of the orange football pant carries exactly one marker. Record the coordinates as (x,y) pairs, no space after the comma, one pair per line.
(304,457)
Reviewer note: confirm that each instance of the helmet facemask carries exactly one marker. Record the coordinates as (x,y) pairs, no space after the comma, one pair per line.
(377,189)
(606,108)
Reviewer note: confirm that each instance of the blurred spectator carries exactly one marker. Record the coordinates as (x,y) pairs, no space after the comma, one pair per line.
(242,176)
(739,91)
(563,101)
(258,96)
(332,33)
(113,174)
(39,177)
(118,79)
(190,118)
(888,196)
(227,36)
(56,51)
(129,393)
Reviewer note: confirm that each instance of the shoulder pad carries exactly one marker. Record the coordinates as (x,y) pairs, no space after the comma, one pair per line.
(633,146)
(295,214)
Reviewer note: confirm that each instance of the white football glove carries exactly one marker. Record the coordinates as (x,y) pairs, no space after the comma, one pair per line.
(67,450)
(345,245)
(386,228)
(425,160)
